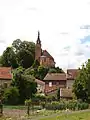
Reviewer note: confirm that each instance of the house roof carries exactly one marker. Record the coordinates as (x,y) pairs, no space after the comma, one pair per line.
(65,92)
(45,53)
(55,76)
(40,82)
(5,73)
(72,73)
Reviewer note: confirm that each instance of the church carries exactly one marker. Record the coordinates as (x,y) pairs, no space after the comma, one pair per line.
(43,56)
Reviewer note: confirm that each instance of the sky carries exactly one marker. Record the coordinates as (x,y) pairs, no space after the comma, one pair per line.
(64,27)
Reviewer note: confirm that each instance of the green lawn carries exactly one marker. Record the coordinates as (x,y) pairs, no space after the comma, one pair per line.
(73,116)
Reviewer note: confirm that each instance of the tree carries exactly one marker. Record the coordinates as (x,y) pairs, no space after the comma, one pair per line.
(25,83)
(36,64)
(16,45)
(52,70)
(55,70)
(8,58)
(41,72)
(80,87)
(26,54)
(11,96)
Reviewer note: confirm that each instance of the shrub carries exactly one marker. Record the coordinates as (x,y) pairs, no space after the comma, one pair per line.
(11,96)
(39,97)
(71,105)
(55,106)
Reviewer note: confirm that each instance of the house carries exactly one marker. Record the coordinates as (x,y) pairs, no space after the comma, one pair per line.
(53,81)
(40,86)
(5,76)
(71,76)
(43,56)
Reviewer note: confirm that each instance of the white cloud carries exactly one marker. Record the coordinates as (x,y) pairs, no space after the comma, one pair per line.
(59,22)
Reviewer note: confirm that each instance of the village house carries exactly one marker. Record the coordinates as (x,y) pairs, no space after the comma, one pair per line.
(53,81)
(64,81)
(43,56)
(5,76)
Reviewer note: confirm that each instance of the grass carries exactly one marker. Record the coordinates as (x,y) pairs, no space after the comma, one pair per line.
(73,116)
(20,107)
(19,112)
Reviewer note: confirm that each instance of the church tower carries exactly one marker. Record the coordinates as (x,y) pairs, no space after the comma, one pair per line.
(38,49)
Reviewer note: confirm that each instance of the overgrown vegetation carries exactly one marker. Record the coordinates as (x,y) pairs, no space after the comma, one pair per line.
(81,86)
(63,105)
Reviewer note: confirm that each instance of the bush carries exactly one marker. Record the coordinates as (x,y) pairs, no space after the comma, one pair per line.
(71,105)
(11,96)
(39,97)
(55,106)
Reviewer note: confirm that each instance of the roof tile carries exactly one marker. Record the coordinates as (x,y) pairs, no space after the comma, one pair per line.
(5,73)
(55,76)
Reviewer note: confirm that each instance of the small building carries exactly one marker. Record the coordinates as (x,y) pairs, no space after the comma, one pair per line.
(40,86)
(53,81)
(71,76)
(5,76)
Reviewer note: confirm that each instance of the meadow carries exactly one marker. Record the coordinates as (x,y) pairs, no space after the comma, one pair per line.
(16,113)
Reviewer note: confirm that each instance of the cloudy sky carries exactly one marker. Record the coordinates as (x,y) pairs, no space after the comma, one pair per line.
(64,27)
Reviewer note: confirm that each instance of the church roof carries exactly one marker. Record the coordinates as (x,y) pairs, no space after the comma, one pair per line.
(45,53)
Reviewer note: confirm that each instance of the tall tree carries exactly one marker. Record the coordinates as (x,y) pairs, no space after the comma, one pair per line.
(26,54)
(8,58)
(16,45)
(25,83)
(80,87)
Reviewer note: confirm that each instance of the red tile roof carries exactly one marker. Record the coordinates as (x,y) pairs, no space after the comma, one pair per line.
(5,73)
(72,73)
(55,76)
(40,82)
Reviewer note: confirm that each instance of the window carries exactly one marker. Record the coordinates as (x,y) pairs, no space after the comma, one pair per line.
(50,84)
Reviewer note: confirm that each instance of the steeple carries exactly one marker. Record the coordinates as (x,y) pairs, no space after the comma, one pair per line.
(38,38)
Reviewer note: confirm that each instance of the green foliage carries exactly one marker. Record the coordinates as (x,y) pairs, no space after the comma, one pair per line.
(19,54)
(55,106)
(63,105)
(58,94)
(11,96)
(16,45)
(81,86)
(39,72)
(55,70)
(25,83)
(26,54)
(36,64)
(8,58)
(38,97)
